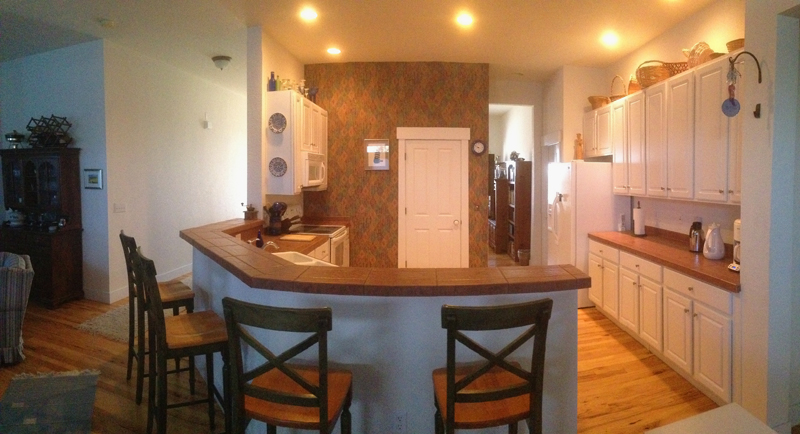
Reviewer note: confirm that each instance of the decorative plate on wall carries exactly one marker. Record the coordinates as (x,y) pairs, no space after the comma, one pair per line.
(277,166)
(277,123)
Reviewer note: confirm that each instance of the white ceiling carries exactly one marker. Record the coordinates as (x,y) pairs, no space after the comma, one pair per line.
(519,39)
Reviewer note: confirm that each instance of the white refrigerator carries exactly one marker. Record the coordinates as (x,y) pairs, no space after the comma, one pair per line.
(580,200)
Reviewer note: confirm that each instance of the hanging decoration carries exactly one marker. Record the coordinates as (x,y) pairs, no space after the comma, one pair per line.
(731,106)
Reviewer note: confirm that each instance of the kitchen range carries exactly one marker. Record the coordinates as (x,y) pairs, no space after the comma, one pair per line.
(339,244)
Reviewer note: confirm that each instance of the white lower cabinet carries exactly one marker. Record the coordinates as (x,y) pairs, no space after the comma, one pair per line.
(698,331)
(323,252)
(682,320)
(604,272)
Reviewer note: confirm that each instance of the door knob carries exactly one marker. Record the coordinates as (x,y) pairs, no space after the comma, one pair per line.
(456,222)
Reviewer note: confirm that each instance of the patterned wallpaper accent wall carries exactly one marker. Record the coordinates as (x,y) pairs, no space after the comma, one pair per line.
(369,101)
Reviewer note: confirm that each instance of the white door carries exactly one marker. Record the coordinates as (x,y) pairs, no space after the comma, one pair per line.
(433,216)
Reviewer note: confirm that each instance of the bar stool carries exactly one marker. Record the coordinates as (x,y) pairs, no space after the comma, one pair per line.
(189,335)
(279,393)
(494,391)
(174,295)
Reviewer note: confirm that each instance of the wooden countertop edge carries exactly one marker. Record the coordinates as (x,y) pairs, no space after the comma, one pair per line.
(261,269)
(704,270)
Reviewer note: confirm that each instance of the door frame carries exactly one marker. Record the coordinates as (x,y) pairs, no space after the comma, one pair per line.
(414,133)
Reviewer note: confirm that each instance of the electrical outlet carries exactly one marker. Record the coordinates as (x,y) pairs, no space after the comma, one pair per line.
(120,207)
(399,423)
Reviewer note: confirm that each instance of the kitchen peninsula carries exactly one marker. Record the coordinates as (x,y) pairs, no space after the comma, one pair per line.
(387,326)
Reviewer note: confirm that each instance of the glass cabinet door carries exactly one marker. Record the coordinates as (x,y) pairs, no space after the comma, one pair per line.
(29,184)
(48,190)
(13,183)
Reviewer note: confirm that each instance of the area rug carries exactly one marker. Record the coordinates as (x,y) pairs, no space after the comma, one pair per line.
(55,402)
(114,323)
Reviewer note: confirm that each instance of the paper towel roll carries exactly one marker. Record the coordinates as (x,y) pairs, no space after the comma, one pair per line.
(638,221)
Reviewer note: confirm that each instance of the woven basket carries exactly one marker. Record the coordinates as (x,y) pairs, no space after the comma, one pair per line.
(652,74)
(598,101)
(633,85)
(735,44)
(617,96)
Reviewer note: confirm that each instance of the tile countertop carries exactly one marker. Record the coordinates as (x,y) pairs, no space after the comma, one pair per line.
(671,250)
(261,269)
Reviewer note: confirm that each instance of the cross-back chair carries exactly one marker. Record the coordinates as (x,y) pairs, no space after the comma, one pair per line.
(496,390)
(280,391)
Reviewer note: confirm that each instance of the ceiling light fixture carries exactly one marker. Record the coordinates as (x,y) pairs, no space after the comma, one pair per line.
(464,19)
(308,14)
(610,39)
(221,62)
(334,50)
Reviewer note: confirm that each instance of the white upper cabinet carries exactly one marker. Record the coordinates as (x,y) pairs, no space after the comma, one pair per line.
(597,132)
(628,142)
(711,133)
(589,132)
(656,139)
(680,136)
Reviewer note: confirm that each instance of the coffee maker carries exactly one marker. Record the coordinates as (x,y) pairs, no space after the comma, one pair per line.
(737,245)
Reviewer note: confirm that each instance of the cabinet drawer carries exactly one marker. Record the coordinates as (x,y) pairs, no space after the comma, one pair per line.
(644,267)
(703,292)
(606,252)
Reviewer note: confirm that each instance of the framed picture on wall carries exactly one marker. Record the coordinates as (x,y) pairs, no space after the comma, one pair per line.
(93,179)
(377,151)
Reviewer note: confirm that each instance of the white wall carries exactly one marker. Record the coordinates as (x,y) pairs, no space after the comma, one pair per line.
(770,169)
(67,82)
(168,171)
(528,94)
(264,56)
(140,121)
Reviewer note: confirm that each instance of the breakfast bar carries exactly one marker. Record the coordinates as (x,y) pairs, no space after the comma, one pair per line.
(386,322)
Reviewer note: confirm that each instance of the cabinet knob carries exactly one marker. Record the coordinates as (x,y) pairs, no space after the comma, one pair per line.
(637,265)
(662,188)
(730,191)
(669,189)
(691,288)
(634,284)
(686,311)
(722,192)
(695,315)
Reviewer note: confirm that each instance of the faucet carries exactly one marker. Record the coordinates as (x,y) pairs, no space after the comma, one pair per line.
(271,243)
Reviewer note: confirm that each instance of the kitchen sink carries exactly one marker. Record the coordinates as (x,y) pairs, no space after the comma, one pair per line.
(301,259)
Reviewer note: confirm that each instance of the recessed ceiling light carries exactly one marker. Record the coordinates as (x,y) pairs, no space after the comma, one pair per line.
(334,50)
(610,39)
(464,19)
(308,14)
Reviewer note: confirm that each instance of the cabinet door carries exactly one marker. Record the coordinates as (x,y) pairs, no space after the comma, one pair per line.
(307,137)
(711,132)
(603,138)
(12,182)
(589,133)
(678,329)
(611,289)
(712,350)
(619,147)
(596,274)
(650,312)
(635,113)
(656,139)
(629,299)
(680,136)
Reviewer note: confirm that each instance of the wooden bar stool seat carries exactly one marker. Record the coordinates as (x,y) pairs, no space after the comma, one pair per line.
(174,295)
(188,335)
(495,390)
(280,391)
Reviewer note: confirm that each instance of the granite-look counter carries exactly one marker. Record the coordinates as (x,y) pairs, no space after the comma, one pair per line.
(387,322)
(671,250)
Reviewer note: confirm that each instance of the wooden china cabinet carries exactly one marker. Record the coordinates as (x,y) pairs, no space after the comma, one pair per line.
(44,184)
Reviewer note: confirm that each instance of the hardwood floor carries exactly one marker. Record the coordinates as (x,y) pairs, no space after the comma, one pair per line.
(622,388)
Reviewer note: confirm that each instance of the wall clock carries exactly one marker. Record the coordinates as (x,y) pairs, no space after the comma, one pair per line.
(478,147)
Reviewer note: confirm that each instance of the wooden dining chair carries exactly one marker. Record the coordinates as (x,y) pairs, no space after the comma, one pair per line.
(189,335)
(308,396)
(174,295)
(494,391)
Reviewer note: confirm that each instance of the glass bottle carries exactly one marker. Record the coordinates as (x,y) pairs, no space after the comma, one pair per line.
(272,83)
(259,240)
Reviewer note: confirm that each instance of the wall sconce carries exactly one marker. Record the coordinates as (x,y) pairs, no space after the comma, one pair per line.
(221,62)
